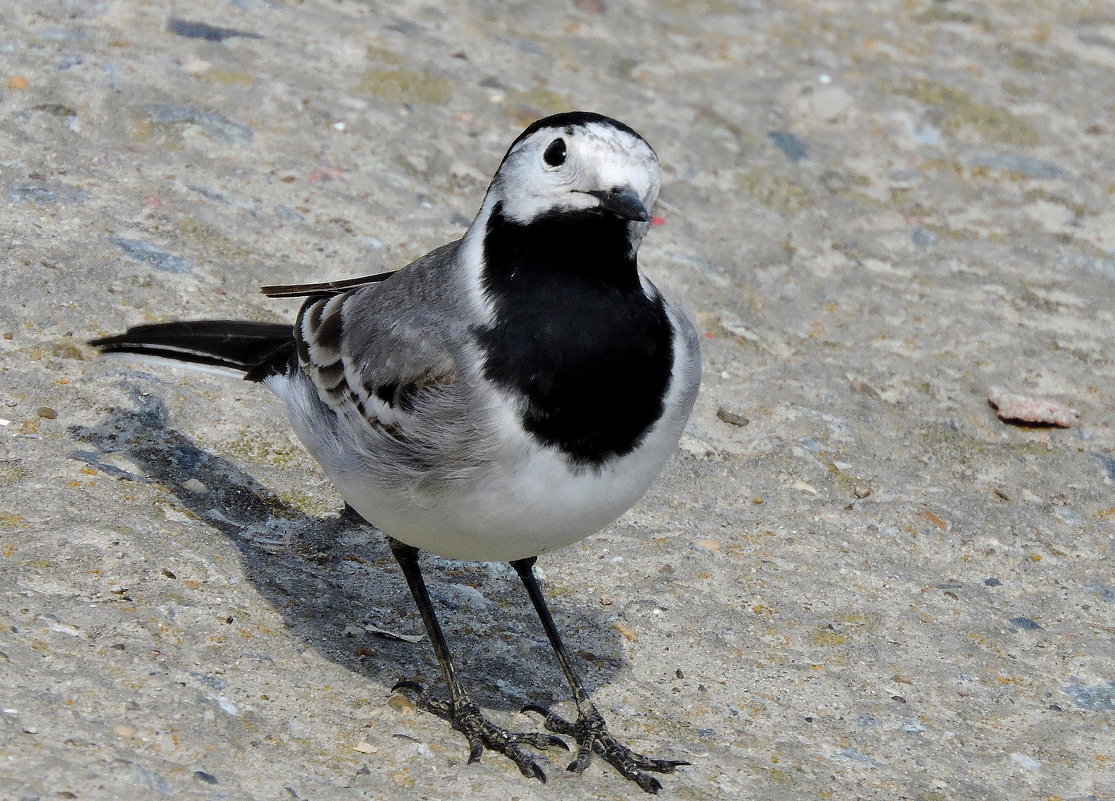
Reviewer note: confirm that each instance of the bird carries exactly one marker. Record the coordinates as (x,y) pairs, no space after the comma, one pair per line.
(504,396)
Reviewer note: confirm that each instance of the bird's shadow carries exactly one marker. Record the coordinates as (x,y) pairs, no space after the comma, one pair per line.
(335,583)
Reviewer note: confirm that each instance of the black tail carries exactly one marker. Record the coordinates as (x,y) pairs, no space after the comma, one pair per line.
(259,349)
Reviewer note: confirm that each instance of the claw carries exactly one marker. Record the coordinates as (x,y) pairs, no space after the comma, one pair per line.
(466,717)
(557,742)
(535,772)
(592,736)
(476,752)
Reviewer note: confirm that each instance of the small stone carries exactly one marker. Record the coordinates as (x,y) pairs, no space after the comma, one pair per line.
(628,633)
(792,147)
(595,7)
(195,486)
(828,104)
(1025,623)
(923,237)
(1040,411)
(1098,698)
(287,214)
(364,748)
(861,490)
(41,195)
(196,66)
(936,520)
(1029,763)
(46,412)
(731,417)
(1022,165)
(215,125)
(401,703)
(203,30)
(149,254)
(208,778)
(18,82)
(607,600)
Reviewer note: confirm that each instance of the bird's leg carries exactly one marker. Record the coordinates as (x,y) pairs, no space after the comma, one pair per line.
(589,730)
(461,710)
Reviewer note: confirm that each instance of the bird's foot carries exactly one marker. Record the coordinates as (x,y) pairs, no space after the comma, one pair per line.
(482,734)
(591,733)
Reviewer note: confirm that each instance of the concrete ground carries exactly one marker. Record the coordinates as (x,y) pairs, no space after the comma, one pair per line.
(853,582)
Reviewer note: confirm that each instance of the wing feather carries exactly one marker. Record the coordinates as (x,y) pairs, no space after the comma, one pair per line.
(380,353)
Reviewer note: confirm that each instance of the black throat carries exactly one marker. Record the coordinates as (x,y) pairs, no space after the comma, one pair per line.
(574,332)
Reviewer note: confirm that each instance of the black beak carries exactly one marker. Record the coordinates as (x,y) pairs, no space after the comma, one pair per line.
(622,202)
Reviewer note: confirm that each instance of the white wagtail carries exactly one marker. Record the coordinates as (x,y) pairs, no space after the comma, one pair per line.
(503,396)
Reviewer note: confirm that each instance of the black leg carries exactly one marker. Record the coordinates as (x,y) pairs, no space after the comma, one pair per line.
(461,710)
(590,730)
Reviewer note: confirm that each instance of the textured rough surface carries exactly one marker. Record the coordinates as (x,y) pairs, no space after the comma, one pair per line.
(853,582)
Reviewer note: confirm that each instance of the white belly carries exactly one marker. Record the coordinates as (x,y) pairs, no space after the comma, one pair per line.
(522,507)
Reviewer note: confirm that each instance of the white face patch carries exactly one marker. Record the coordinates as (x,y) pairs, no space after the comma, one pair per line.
(597,158)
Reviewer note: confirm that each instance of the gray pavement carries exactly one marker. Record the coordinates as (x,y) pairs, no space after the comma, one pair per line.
(853,581)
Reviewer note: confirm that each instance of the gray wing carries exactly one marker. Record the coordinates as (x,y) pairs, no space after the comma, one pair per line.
(387,360)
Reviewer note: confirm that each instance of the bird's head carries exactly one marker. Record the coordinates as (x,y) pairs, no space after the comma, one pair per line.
(578,162)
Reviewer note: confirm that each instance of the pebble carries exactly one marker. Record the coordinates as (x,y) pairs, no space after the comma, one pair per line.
(208,778)
(149,254)
(1108,463)
(923,237)
(731,417)
(46,412)
(1027,762)
(1104,591)
(401,703)
(195,486)
(287,214)
(203,30)
(1025,623)
(1024,165)
(628,633)
(41,195)
(1098,698)
(595,7)
(855,756)
(1023,409)
(792,147)
(828,103)
(215,125)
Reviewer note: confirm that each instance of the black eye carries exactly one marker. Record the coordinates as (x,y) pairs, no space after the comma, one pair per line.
(555,153)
